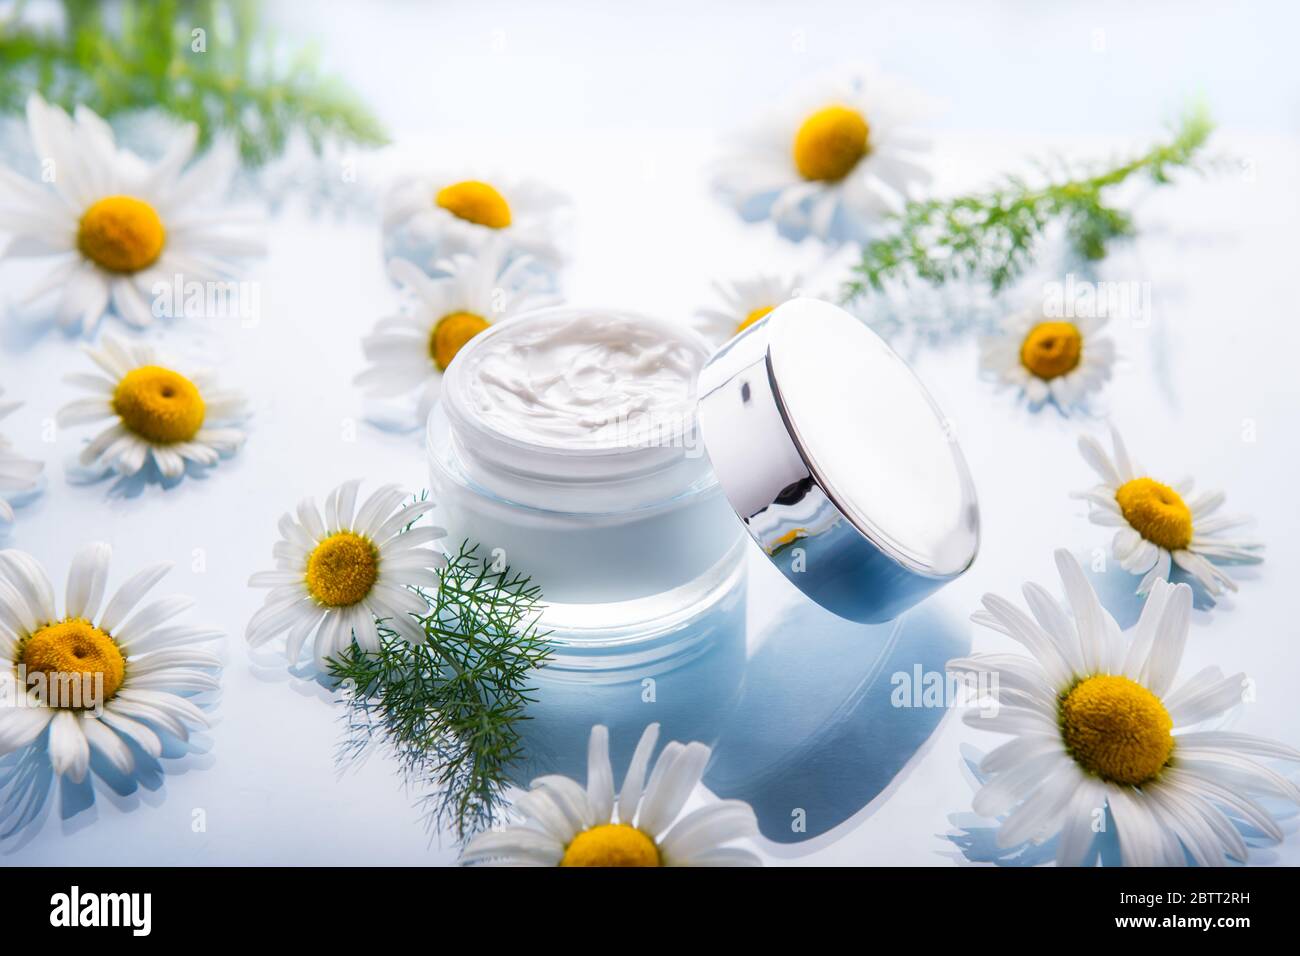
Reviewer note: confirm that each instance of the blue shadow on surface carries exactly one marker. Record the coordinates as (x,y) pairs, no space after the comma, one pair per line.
(817,734)
(132,486)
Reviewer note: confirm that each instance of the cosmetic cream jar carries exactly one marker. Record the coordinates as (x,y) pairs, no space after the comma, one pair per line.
(564,444)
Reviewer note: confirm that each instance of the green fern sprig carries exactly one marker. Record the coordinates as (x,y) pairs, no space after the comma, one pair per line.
(145,58)
(994,235)
(450,708)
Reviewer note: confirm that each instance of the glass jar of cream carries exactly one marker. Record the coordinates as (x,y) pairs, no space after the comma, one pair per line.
(565,445)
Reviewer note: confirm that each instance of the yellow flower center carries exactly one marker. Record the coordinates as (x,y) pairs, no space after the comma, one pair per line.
(830,143)
(450,335)
(74,647)
(342,569)
(475,202)
(159,405)
(754,317)
(1051,349)
(611,844)
(1116,729)
(1156,512)
(121,234)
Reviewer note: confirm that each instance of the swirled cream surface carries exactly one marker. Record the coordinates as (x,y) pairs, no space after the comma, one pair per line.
(582,379)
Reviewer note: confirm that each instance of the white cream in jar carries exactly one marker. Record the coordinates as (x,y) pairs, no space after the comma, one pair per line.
(581,380)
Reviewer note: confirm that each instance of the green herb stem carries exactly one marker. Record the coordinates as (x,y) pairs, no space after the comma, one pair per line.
(450,708)
(230,78)
(993,235)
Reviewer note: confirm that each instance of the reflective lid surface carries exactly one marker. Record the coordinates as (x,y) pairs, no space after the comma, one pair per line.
(837,460)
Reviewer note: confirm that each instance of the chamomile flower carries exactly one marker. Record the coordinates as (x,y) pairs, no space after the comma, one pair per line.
(156,412)
(829,162)
(566,824)
(98,676)
(1064,360)
(339,573)
(745,301)
(1160,525)
(1097,722)
(18,475)
(411,350)
(430,218)
(118,226)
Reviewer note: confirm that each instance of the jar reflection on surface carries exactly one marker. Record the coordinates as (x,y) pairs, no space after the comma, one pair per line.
(686,675)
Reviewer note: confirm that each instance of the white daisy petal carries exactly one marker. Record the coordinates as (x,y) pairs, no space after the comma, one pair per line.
(377,507)
(1078,830)
(1170,638)
(1042,808)
(1123,464)
(702,830)
(1140,840)
(106,742)
(1144,632)
(1143,558)
(511,845)
(1007,789)
(1234,767)
(1241,804)
(1022,629)
(1208,694)
(86,580)
(1210,577)
(1159,572)
(1052,618)
(630,795)
(1178,819)
(1238,743)
(545,814)
(69,749)
(666,794)
(570,797)
(1091,618)
(1098,460)
(149,617)
(20,726)
(307,620)
(1018,750)
(600,777)
(31,584)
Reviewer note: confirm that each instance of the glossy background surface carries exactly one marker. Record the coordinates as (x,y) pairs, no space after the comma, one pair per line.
(623,109)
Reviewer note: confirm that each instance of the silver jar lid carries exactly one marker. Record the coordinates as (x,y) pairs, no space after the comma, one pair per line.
(838,462)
